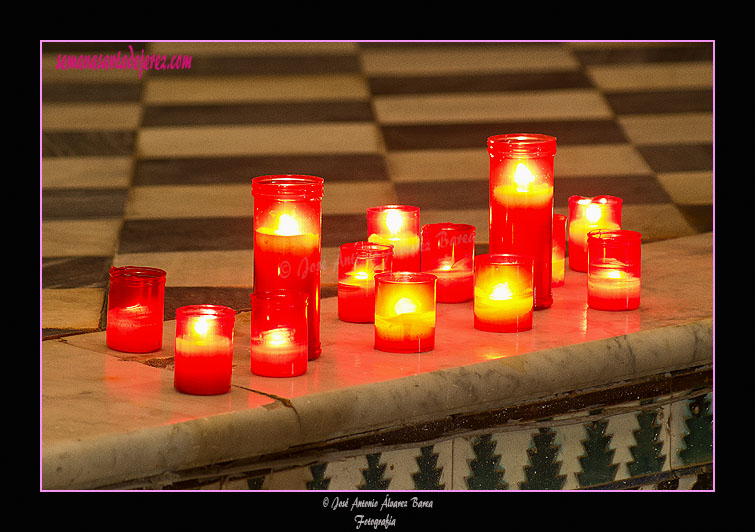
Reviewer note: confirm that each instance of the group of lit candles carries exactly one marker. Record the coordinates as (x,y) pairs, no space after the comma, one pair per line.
(395,277)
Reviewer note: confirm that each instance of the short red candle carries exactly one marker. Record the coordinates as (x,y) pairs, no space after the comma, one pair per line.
(448,253)
(405,312)
(204,349)
(358,262)
(614,269)
(135,307)
(521,203)
(559,250)
(398,226)
(589,214)
(503,293)
(287,236)
(279,333)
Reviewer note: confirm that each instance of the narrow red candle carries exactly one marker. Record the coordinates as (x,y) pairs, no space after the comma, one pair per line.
(589,214)
(405,312)
(503,293)
(358,262)
(204,349)
(521,203)
(559,250)
(287,241)
(614,269)
(279,333)
(398,226)
(448,253)
(136,303)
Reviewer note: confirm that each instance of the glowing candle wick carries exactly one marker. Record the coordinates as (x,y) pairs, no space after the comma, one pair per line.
(394,221)
(361,276)
(405,306)
(277,337)
(593,213)
(201,326)
(522,176)
(287,226)
(501,292)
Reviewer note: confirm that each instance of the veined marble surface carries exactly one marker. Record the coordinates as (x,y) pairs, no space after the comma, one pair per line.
(108,416)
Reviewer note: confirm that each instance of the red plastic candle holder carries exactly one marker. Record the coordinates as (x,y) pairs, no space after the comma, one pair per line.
(397,226)
(287,241)
(503,293)
(204,349)
(521,203)
(135,307)
(558,260)
(279,333)
(614,269)
(589,214)
(358,262)
(405,312)
(448,253)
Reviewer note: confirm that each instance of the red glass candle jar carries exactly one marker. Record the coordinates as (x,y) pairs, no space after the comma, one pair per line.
(398,226)
(521,203)
(358,262)
(614,269)
(558,260)
(204,349)
(405,312)
(135,308)
(589,214)
(279,333)
(503,293)
(448,253)
(287,237)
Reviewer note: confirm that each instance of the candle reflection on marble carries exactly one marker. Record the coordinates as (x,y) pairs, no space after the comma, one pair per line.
(405,312)
(503,293)
(559,250)
(358,262)
(448,253)
(397,226)
(589,214)
(279,332)
(614,270)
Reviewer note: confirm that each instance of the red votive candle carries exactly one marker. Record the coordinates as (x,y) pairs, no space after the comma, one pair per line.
(503,293)
(287,235)
(204,349)
(358,262)
(448,253)
(135,307)
(279,333)
(521,203)
(405,312)
(559,250)
(614,269)
(397,226)
(589,214)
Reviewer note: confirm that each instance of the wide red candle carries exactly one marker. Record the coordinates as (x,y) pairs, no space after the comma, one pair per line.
(204,349)
(358,262)
(405,312)
(558,259)
(614,269)
(287,236)
(448,253)
(135,307)
(589,214)
(503,293)
(521,203)
(279,333)
(398,226)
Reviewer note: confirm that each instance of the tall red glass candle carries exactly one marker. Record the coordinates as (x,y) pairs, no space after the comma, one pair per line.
(398,226)
(589,214)
(559,250)
(614,269)
(279,333)
(135,307)
(521,203)
(503,293)
(448,253)
(204,349)
(405,312)
(358,262)
(287,236)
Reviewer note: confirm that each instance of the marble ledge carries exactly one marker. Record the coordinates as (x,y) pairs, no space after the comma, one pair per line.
(108,417)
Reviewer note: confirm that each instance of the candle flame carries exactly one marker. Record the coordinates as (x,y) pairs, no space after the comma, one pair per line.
(593,213)
(523,176)
(362,276)
(501,292)
(201,326)
(287,225)
(394,221)
(614,274)
(277,337)
(405,306)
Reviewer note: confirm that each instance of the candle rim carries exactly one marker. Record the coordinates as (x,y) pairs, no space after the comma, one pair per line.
(220,311)
(145,274)
(449,226)
(411,209)
(609,200)
(367,249)
(614,236)
(503,258)
(405,277)
(522,144)
(291,186)
(280,296)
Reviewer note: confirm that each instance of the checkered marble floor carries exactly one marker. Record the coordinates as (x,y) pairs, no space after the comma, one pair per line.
(155,169)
